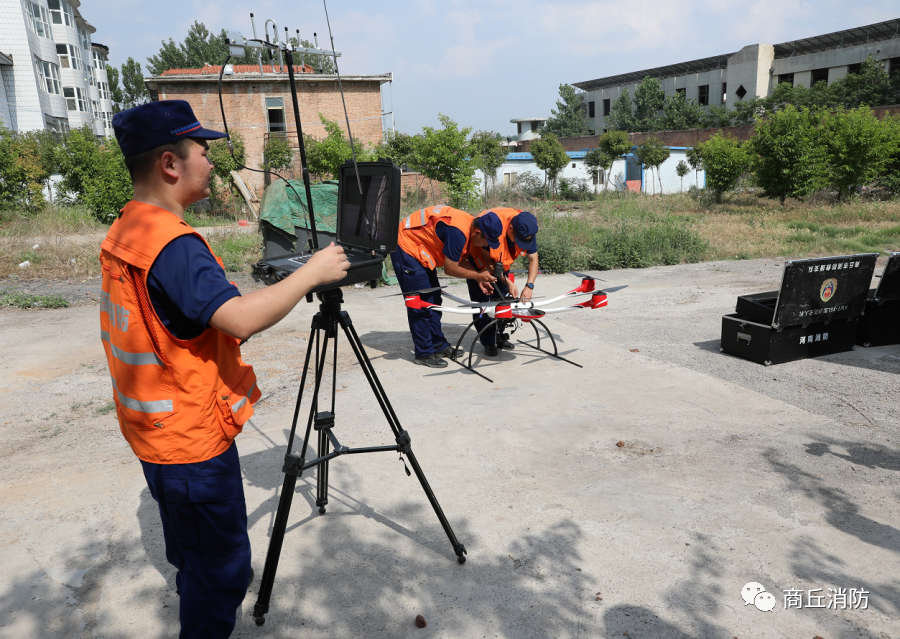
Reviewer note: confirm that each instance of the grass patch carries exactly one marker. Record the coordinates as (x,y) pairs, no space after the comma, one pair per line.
(200,220)
(106,408)
(238,250)
(18,299)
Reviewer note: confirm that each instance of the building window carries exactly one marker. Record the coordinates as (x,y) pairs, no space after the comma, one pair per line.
(606,106)
(104,90)
(99,60)
(61,12)
(855,69)
(819,75)
(893,65)
(535,125)
(703,94)
(49,74)
(68,56)
(724,92)
(599,176)
(741,92)
(786,78)
(75,99)
(40,20)
(275,115)
(107,119)
(89,75)
(591,113)
(85,38)
(683,92)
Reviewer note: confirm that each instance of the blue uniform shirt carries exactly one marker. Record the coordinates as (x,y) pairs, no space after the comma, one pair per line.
(454,240)
(187,286)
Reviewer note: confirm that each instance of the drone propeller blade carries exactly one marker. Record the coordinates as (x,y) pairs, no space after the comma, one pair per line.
(585,276)
(419,292)
(613,289)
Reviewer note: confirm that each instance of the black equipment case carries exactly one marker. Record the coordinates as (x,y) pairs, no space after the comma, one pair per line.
(880,326)
(814,313)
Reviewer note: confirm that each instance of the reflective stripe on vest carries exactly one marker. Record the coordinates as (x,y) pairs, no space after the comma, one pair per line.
(135,359)
(238,405)
(155,406)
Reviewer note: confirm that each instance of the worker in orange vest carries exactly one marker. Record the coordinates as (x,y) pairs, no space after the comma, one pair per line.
(172,326)
(518,238)
(429,238)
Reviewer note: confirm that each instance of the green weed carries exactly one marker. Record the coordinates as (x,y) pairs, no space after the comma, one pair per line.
(18,299)
(106,408)
(237,250)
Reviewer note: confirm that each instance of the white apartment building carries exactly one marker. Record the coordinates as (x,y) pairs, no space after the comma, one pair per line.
(754,70)
(51,75)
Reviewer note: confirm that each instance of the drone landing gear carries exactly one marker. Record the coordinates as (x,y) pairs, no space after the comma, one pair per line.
(324,328)
(501,324)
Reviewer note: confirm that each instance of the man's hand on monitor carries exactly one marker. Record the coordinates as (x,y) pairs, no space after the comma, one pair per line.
(328,265)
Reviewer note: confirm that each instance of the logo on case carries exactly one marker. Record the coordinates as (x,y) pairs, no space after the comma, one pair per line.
(829,286)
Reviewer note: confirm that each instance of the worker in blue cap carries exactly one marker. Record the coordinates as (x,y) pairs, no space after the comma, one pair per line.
(429,238)
(171,325)
(519,237)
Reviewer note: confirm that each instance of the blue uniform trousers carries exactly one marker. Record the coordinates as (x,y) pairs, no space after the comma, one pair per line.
(489,337)
(424,325)
(204,520)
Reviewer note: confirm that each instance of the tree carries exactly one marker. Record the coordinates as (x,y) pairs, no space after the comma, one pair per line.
(570,120)
(109,188)
(682,169)
(26,161)
(653,153)
(596,160)
(115,91)
(858,148)
(401,148)
(724,162)
(135,91)
(277,154)
(788,155)
(610,146)
(200,47)
(621,117)
(550,156)
(444,155)
(488,155)
(78,160)
(649,99)
(679,113)
(871,86)
(324,157)
(695,162)
(716,117)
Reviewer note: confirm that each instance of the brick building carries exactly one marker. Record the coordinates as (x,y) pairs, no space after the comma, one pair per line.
(258,105)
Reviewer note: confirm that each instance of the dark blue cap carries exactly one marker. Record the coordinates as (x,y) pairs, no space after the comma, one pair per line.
(525,228)
(151,125)
(492,228)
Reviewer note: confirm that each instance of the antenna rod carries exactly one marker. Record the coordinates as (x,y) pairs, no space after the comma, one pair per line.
(258,53)
(313,234)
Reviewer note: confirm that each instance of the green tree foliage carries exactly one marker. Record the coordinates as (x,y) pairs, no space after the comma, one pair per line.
(680,113)
(596,160)
(488,155)
(223,161)
(724,162)
(135,92)
(621,116)
(277,154)
(569,119)
(682,169)
(653,153)
(324,157)
(549,156)
(200,47)
(108,189)
(858,146)
(444,156)
(401,148)
(695,162)
(26,161)
(890,178)
(788,156)
(115,91)
(78,159)
(610,146)
(649,99)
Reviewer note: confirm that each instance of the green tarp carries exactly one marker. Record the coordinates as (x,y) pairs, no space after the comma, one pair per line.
(281,208)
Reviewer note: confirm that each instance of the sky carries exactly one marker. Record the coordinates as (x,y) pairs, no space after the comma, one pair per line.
(485,62)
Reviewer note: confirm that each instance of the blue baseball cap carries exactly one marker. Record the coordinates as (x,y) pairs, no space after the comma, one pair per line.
(151,125)
(492,228)
(525,228)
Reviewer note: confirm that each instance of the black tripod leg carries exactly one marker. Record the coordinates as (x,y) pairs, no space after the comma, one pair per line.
(322,473)
(403,439)
(268,576)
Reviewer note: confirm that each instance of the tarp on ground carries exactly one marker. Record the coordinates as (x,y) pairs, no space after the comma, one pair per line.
(281,207)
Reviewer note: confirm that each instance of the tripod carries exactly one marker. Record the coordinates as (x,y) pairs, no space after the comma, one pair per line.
(324,328)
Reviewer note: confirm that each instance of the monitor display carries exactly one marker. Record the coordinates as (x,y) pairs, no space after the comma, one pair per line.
(369,219)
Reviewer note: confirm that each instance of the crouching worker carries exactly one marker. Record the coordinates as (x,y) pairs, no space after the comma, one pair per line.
(172,326)
(432,237)
(518,238)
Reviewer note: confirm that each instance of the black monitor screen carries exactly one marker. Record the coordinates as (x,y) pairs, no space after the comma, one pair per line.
(382,206)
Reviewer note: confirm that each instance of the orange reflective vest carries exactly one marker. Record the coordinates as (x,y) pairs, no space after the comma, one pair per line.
(502,253)
(178,401)
(417,236)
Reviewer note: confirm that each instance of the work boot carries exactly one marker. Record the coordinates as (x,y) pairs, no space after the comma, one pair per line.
(431,361)
(450,352)
(491,351)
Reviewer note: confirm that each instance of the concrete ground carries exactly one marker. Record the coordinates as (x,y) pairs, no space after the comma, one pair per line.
(730,473)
